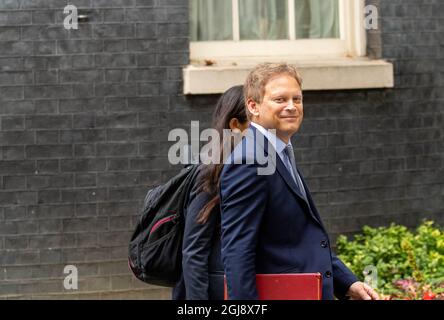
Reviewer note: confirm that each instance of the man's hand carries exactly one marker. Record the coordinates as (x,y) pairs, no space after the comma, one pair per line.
(361,291)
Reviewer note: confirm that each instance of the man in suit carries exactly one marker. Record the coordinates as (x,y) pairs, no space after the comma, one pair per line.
(269,221)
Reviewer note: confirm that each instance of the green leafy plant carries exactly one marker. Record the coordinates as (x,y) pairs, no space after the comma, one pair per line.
(409,264)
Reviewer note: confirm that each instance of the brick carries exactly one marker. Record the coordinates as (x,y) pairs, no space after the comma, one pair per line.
(13,182)
(146,60)
(112,46)
(147,74)
(146,15)
(117,121)
(11,93)
(86,210)
(115,75)
(82,61)
(13,153)
(15,48)
(9,34)
(84,150)
(113,3)
(172,30)
(82,225)
(84,195)
(115,60)
(16,167)
(81,76)
(48,151)
(117,179)
(47,62)
(15,18)
(23,258)
(149,89)
(16,138)
(118,209)
(147,31)
(84,90)
(51,241)
(86,180)
(47,137)
(54,91)
(121,282)
(117,149)
(119,223)
(113,15)
(46,106)
(46,77)
(49,4)
(43,33)
(50,256)
(79,46)
(87,240)
(172,59)
(82,135)
(143,3)
(48,122)
(47,166)
(43,17)
(148,46)
(111,239)
(15,213)
(15,77)
(103,31)
(83,165)
(115,90)
(86,120)
(48,196)
(79,105)
(44,47)
(117,164)
(50,227)
(16,242)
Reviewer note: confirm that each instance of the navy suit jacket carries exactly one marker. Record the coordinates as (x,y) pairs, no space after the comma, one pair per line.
(268,227)
(203,274)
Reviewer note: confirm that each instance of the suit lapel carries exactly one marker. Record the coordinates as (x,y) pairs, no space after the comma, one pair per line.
(264,144)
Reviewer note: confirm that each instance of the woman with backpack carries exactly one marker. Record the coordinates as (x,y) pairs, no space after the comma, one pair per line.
(202,268)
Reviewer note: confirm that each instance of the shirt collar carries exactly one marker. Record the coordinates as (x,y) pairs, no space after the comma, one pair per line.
(276,142)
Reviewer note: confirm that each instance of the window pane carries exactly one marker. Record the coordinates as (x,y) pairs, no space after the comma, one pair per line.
(263,19)
(317,19)
(210,20)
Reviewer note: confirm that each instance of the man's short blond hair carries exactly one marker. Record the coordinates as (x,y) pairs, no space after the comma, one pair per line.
(258,78)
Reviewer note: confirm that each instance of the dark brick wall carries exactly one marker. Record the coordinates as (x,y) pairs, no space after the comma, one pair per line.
(85,116)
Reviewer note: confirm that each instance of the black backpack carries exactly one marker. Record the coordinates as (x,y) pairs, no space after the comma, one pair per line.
(155,249)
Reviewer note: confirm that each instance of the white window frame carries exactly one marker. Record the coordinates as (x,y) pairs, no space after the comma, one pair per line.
(325,64)
(352,41)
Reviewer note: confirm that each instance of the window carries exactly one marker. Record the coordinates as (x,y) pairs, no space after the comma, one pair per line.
(229,29)
(324,38)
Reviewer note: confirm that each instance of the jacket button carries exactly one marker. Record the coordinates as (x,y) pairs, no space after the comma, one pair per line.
(324,244)
(328,274)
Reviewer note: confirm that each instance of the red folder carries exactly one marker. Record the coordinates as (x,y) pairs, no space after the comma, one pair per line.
(285,286)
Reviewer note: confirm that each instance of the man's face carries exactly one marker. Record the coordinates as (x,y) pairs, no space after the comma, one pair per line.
(281,107)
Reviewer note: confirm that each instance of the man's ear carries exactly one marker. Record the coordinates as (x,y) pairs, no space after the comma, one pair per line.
(253,107)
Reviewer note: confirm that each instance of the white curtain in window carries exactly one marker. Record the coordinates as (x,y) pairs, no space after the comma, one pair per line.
(317,19)
(210,20)
(263,19)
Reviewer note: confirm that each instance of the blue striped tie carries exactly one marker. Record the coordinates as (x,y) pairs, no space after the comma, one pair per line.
(290,154)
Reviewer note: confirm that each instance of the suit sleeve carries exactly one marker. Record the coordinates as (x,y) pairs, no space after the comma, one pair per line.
(243,203)
(343,278)
(196,249)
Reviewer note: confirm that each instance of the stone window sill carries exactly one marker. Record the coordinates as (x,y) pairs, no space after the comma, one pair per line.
(334,74)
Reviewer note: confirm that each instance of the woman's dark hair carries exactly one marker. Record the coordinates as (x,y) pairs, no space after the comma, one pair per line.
(230,105)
